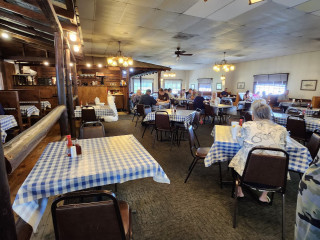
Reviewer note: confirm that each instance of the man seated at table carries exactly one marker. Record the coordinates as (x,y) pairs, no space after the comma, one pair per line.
(261,132)
(146,99)
(224,93)
(284,100)
(136,97)
(170,93)
(189,94)
(163,97)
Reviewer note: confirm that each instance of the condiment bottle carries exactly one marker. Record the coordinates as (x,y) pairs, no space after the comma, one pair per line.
(69,145)
(78,147)
(81,103)
(240,121)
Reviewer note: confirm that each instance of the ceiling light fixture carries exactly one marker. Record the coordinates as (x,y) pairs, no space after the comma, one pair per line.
(119,59)
(88,64)
(223,77)
(46,63)
(169,75)
(223,65)
(99,65)
(254,1)
(5,35)
(71,64)
(73,36)
(131,69)
(76,48)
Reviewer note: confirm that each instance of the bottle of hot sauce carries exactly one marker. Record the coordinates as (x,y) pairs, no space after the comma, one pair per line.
(240,121)
(69,145)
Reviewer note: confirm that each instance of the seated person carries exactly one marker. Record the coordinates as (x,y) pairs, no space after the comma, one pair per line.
(182,93)
(136,97)
(194,94)
(224,93)
(146,99)
(170,93)
(198,104)
(260,132)
(215,101)
(247,97)
(189,93)
(284,98)
(163,97)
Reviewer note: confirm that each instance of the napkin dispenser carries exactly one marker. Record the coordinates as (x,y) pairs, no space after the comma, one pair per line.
(97,100)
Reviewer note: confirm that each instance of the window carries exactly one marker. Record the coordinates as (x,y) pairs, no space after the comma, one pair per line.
(175,85)
(145,84)
(204,84)
(275,84)
(204,87)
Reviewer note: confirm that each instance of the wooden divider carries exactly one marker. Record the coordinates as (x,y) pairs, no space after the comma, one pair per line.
(88,94)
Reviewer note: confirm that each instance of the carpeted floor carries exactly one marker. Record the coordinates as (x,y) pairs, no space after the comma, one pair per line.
(198,209)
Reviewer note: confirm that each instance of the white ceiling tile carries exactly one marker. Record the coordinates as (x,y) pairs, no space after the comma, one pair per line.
(290,3)
(182,22)
(203,9)
(160,19)
(86,9)
(310,6)
(233,10)
(178,6)
(146,3)
(317,13)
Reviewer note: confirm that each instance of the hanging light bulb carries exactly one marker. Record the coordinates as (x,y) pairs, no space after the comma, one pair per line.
(46,63)
(71,64)
(99,65)
(232,68)
(76,48)
(88,64)
(73,36)
(125,64)
(130,61)
(223,77)
(120,60)
(114,63)
(5,35)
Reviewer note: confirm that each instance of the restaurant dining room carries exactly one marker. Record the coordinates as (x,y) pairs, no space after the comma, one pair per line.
(159,119)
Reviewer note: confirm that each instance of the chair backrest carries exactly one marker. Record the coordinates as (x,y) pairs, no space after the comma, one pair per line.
(247,106)
(296,127)
(140,109)
(190,106)
(266,168)
(88,115)
(314,145)
(226,101)
(209,111)
(92,130)
(192,142)
(196,118)
(247,117)
(162,121)
(293,111)
(94,220)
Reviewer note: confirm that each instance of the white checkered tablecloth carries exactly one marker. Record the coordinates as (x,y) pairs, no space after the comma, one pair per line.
(103,161)
(27,110)
(185,116)
(311,123)
(100,111)
(6,122)
(225,147)
(44,104)
(309,112)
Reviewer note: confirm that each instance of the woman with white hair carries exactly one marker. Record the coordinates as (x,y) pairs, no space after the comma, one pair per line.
(261,132)
(215,101)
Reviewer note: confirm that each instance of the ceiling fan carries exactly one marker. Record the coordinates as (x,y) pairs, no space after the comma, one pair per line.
(181,53)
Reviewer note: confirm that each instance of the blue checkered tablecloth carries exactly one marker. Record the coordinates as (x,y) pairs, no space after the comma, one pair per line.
(185,116)
(44,104)
(225,147)
(100,111)
(311,123)
(103,161)
(309,112)
(6,122)
(27,110)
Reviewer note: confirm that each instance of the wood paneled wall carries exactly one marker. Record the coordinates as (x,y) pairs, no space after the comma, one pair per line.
(88,94)
(7,70)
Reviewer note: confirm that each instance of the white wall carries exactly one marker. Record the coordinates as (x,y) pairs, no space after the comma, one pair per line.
(207,72)
(304,66)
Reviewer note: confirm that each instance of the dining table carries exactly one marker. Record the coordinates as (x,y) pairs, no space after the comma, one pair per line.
(184,116)
(99,110)
(225,147)
(44,104)
(6,122)
(311,123)
(103,161)
(308,112)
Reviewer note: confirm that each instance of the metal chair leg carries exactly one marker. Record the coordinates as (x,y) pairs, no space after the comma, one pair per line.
(283,216)
(191,164)
(220,175)
(196,138)
(144,130)
(235,205)
(195,162)
(137,120)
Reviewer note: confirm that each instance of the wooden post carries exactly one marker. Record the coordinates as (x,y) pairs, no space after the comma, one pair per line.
(69,93)
(8,227)
(60,81)
(141,83)
(159,79)
(75,85)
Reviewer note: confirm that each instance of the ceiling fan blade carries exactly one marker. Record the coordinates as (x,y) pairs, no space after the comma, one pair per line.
(186,54)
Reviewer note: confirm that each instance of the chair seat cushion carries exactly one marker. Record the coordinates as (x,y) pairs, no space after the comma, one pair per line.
(125,215)
(202,152)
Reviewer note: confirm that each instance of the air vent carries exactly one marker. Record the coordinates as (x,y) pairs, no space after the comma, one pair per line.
(184,36)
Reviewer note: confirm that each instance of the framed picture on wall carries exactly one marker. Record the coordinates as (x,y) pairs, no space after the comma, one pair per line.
(241,85)
(219,86)
(193,86)
(308,85)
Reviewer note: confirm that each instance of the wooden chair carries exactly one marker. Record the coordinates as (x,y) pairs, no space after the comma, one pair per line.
(264,173)
(313,146)
(88,115)
(142,111)
(162,124)
(103,219)
(297,128)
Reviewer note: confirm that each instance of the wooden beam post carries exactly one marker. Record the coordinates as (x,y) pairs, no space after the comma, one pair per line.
(8,227)
(69,93)
(75,84)
(126,103)
(60,81)
(159,79)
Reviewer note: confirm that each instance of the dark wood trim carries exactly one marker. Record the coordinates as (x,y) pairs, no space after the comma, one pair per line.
(159,79)
(30,59)
(8,228)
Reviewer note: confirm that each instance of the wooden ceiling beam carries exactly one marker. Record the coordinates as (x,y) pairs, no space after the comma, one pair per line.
(18,18)
(26,29)
(30,59)
(23,11)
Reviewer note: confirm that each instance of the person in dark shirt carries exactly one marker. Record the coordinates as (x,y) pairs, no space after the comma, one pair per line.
(163,97)
(224,93)
(198,104)
(146,99)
